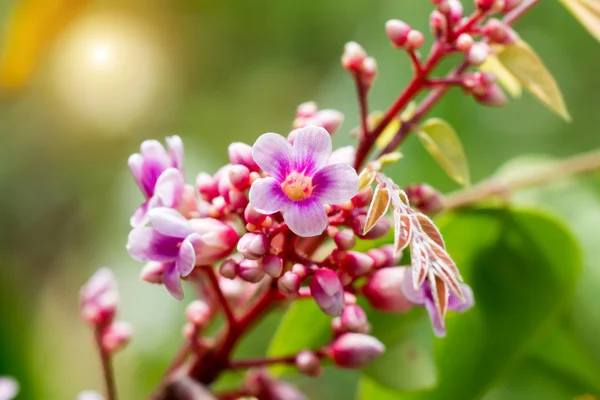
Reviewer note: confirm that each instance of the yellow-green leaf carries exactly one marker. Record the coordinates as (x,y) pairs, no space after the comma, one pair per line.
(523,62)
(505,78)
(587,13)
(394,126)
(442,142)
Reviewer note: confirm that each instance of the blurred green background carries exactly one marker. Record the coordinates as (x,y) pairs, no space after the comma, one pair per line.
(117,72)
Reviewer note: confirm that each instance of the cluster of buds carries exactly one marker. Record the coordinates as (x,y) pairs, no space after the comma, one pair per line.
(503,6)
(309,114)
(98,307)
(485,90)
(356,60)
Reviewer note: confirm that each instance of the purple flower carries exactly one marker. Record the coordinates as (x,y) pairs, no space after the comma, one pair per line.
(424,296)
(159,175)
(300,180)
(180,244)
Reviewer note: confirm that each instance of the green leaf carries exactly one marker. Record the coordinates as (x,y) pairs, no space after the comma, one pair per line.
(522,266)
(587,12)
(442,142)
(524,63)
(304,326)
(505,78)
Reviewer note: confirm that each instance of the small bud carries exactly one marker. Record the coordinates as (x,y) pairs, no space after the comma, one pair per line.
(218,240)
(99,298)
(493,96)
(345,239)
(252,216)
(306,110)
(438,24)
(228,269)
(241,154)
(197,312)
(369,71)
(357,264)
(327,290)
(237,199)
(425,198)
(499,32)
(354,319)
(490,5)
(272,265)
(454,10)
(250,271)
(383,290)
(355,350)
(239,176)
(300,270)
(379,230)
(116,335)
(353,56)
(464,42)
(414,40)
(207,186)
(308,363)
(363,198)
(331,120)
(336,326)
(253,245)
(510,5)
(478,53)
(152,272)
(397,31)
(289,283)
(9,388)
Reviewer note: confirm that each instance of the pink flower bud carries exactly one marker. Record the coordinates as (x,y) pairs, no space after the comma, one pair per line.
(272,265)
(414,40)
(86,395)
(478,53)
(197,312)
(397,31)
(453,9)
(438,24)
(510,5)
(490,5)
(116,335)
(252,216)
(306,110)
(363,198)
(368,71)
(353,56)
(253,245)
(332,119)
(9,388)
(241,154)
(308,363)
(289,283)
(250,271)
(217,240)
(152,272)
(354,319)
(499,32)
(357,264)
(355,350)
(237,199)
(239,176)
(99,298)
(207,186)
(228,269)
(425,198)
(327,290)
(464,42)
(381,228)
(383,290)
(300,270)
(493,96)
(345,239)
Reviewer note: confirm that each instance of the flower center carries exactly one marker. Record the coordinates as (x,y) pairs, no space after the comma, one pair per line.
(297,186)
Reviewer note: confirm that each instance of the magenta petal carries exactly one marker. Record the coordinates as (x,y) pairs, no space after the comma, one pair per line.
(455,304)
(186,259)
(273,153)
(439,327)
(155,151)
(138,242)
(169,222)
(266,196)
(335,184)
(172,282)
(305,217)
(416,296)
(312,148)
(136,165)
(140,216)
(169,187)
(343,155)
(175,145)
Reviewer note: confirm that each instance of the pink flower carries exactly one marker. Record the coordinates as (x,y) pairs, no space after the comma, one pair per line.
(9,388)
(300,180)
(99,298)
(159,175)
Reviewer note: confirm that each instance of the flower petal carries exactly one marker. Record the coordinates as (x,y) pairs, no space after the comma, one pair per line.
(172,281)
(439,327)
(305,217)
(273,153)
(413,295)
(156,160)
(146,244)
(169,187)
(343,155)
(136,164)
(138,242)
(169,222)
(312,149)
(455,304)
(140,216)
(267,197)
(186,259)
(175,145)
(335,184)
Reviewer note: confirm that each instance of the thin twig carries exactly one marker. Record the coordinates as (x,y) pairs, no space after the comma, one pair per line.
(107,369)
(361,91)
(221,297)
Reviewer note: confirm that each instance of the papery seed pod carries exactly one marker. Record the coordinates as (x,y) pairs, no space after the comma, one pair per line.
(397,31)
(289,283)
(272,265)
(354,319)
(344,239)
(241,154)
(253,245)
(239,176)
(116,335)
(197,312)
(250,271)
(357,264)
(402,231)
(229,269)
(355,350)
(353,56)
(327,290)
(383,290)
(308,363)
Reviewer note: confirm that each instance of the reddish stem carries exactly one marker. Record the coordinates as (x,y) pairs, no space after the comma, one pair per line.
(221,297)
(261,362)
(107,369)
(361,91)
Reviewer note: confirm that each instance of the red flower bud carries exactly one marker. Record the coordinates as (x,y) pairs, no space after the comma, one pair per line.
(228,269)
(492,96)
(383,290)
(252,216)
(357,264)
(344,240)
(478,53)
(425,198)
(289,283)
(363,198)
(414,40)
(239,176)
(354,319)
(353,56)
(355,350)
(152,272)
(308,363)
(241,154)
(499,32)
(327,290)
(99,298)
(397,31)
(207,186)
(464,42)
(250,271)
(438,24)
(253,245)
(115,336)
(272,265)
(306,110)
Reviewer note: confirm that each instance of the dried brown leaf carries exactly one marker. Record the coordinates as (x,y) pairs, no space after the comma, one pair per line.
(378,207)
(365,178)
(430,229)
(419,263)
(402,231)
